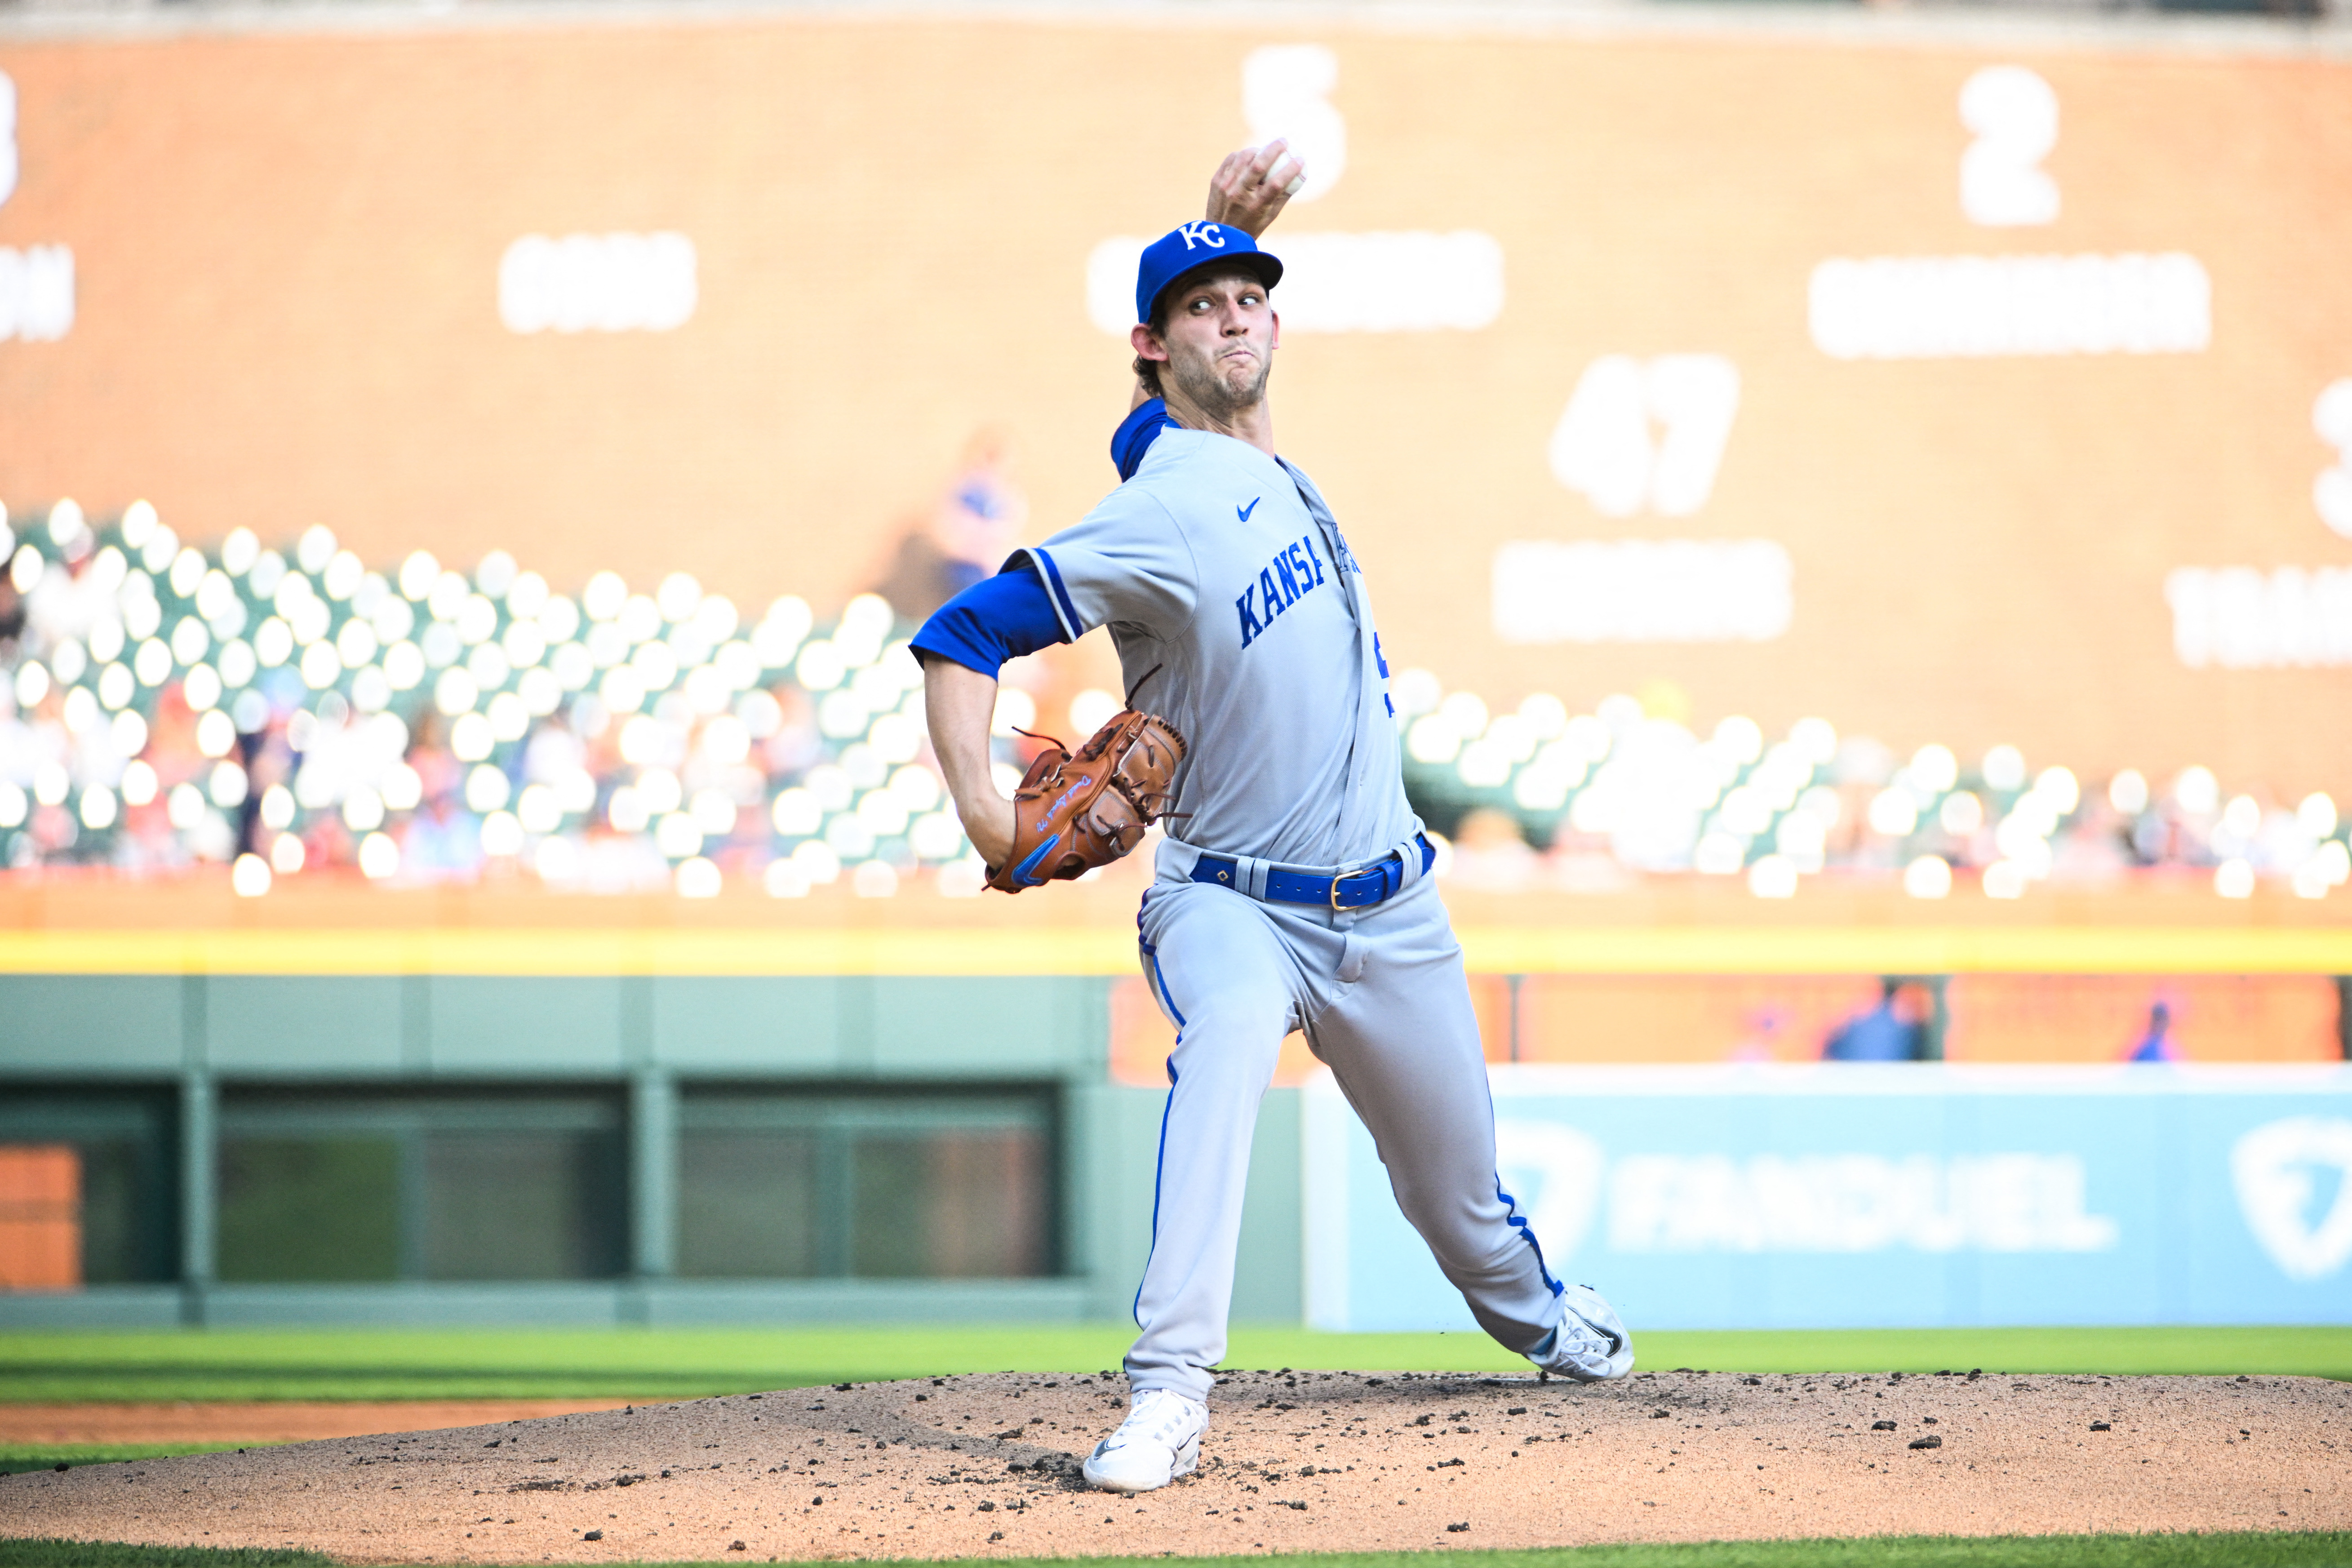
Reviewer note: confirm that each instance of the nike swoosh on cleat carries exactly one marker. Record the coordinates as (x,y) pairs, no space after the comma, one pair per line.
(1242,511)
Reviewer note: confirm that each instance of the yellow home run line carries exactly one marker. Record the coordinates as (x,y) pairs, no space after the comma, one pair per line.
(1066,950)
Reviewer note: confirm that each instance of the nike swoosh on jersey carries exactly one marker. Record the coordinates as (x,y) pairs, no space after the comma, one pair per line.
(1242,511)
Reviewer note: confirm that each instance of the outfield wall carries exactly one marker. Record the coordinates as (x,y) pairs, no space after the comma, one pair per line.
(678,1148)
(380,1148)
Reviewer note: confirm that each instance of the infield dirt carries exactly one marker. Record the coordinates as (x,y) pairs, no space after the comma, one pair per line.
(262,1421)
(1294,1462)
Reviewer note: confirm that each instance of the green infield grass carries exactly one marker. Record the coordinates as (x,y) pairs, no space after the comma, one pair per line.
(2281,1549)
(22,1554)
(674,1363)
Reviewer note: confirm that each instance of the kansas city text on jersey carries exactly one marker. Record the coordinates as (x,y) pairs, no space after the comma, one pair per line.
(1299,570)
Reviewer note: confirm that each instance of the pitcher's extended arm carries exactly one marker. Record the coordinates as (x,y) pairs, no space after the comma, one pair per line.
(961,647)
(960,705)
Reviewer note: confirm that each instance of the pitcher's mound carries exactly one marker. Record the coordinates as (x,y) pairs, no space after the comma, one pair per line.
(1293,1462)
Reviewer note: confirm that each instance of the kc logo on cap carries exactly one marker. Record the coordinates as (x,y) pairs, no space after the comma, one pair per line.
(1168,259)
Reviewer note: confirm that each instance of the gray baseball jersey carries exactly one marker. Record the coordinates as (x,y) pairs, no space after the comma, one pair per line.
(1223,576)
(1221,568)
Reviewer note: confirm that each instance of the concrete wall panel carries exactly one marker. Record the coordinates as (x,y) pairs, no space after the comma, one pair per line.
(759,1026)
(961,1028)
(303,1026)
(528,1025)
(90,1023)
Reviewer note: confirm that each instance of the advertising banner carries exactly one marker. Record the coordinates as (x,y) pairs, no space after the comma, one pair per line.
(1879,1197)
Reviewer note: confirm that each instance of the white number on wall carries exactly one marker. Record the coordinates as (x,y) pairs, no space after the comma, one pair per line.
(36,283)
(2331,492)
(1603,447)
(36,293)
(1285,92)
(597,282)
(7,137)
(2014,115)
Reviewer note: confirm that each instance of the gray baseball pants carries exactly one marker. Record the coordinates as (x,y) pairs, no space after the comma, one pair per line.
(1382,996)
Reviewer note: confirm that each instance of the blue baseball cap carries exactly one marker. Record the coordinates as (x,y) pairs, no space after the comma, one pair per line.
(1176,255)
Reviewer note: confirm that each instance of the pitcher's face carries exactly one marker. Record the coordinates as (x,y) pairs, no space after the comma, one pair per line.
(1219,338)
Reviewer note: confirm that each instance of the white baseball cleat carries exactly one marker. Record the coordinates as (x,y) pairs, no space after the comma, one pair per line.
(1159,1440)
(1590,1344)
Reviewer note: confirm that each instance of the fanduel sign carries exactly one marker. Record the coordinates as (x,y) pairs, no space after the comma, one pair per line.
(1833,1195)
(1854,1203)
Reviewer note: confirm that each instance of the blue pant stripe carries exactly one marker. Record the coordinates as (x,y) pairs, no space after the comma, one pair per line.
(1512,1217)
(1158,1165)
(1166,1001)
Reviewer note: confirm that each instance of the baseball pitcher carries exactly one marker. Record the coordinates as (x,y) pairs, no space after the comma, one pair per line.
(1292,889)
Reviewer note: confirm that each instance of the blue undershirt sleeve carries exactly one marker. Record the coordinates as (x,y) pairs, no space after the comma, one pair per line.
(1136,433)
(1004,617)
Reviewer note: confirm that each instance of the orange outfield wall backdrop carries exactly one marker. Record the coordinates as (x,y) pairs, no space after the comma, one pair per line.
(1988,1020)
(1569,286)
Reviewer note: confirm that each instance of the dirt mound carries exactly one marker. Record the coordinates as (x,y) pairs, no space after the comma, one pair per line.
(1311,1461)
(264,1421)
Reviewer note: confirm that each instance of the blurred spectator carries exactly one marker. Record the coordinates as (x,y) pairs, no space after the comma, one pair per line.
(971,529)
(437,773)
(268,761)
(2156,1044)
(795,746)
(172,748)
(326,842)
(443,841)
(2097,846)
(19,747)
(2167,833)
(979,520)
(1890,1032)
(553,752)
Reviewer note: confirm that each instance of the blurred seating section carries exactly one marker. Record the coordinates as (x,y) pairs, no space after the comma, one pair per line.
(298,710)
(289,711)
(1539,797)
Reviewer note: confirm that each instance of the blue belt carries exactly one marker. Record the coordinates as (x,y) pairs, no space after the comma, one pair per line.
(1349,891)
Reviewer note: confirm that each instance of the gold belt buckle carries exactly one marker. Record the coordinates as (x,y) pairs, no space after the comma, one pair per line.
(1372,869)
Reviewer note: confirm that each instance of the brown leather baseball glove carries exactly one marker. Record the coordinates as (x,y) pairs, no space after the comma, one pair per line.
(1072,814)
